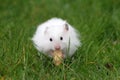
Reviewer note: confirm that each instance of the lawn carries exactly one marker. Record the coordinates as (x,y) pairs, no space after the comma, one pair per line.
(98,22)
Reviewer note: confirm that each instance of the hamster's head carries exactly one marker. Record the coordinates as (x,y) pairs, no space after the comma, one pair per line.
(57,37)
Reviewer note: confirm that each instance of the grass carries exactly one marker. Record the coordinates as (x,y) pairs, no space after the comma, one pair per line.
(98,22)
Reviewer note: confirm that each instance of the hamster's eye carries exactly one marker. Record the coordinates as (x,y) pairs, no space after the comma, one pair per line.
(51,39)
(61,38)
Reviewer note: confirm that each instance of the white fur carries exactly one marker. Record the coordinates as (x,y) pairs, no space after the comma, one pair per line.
(55,28)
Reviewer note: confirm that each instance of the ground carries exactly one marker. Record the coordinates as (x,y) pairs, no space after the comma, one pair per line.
(98,22)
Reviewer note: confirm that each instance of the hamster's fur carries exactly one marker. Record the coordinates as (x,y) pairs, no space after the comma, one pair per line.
(56,34)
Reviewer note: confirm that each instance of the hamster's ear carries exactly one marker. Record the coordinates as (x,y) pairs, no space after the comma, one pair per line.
(66,27)
(46,30)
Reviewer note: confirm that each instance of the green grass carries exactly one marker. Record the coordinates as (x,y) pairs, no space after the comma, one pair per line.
(98,22)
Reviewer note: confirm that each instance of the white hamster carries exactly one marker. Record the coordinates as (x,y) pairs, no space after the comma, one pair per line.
(56,34)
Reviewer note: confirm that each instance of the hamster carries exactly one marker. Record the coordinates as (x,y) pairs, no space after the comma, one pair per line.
(56,34)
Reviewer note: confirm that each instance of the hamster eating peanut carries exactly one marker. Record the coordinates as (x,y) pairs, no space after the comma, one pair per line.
(56,34)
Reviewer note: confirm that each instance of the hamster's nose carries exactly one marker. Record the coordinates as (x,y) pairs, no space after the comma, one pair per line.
(57,47)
